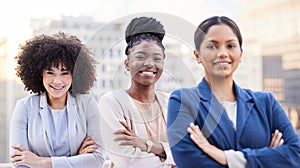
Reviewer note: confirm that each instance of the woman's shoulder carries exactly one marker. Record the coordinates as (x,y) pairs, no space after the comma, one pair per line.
(84,98)
(111,95)
(161,93)
(29,98)
(259,96)
(185,91)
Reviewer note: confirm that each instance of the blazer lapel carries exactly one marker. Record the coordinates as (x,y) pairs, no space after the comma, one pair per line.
(44,112)
(216,118)
(244,108)
(74,127)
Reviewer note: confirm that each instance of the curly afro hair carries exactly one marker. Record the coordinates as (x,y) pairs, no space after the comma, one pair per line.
(45,51)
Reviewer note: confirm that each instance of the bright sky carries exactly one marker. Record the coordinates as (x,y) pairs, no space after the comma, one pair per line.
(15,14)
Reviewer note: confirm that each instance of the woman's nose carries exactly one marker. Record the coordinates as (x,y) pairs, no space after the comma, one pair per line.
(222,53)
(56,80)
(148,63)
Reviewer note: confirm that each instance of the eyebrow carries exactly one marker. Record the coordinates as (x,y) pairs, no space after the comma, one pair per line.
(139,52)
(63,69)
(145,53)
(214,41)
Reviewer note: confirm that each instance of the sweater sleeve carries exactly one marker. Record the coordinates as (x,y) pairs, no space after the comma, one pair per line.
(121,156)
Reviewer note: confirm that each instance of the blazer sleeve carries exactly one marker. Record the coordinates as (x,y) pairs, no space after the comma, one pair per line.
(286,155)
(121,156)
(18,127)
(184,150)
(91,111)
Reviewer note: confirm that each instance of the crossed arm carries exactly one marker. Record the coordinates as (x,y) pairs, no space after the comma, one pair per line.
(128,137)
(216,153)
(24,157)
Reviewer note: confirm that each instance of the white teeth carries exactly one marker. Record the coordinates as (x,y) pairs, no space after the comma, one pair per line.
(222,63)
(57,88)
(148,73)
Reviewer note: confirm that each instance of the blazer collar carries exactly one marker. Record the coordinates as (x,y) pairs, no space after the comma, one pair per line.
(206,93)
(244,104)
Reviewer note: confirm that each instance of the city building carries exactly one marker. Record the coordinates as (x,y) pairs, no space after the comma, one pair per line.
(272,30)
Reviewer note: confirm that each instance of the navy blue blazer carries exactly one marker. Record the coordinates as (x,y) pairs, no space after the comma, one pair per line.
(258,115)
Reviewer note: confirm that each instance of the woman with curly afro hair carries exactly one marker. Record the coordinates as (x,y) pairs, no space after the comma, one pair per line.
(56,126)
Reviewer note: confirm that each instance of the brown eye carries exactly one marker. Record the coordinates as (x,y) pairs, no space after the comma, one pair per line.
(66,73)
(231,46)
(49,73)
(211,47)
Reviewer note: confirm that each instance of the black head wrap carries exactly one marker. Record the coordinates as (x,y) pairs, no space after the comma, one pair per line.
(143,28)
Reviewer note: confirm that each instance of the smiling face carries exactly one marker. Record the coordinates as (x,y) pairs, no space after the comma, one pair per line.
(57,82)
(145,63)
(220,52)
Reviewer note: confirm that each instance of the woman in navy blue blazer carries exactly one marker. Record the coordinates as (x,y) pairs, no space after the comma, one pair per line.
(239,127)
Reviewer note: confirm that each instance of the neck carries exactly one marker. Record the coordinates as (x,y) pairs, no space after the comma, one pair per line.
(222,88)
(57,103)
(142,94)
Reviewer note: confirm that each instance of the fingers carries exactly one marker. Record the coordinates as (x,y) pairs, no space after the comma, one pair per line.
(196,135)
(89,149)
(16,158)
(88,141)
(276,139)
(88,146)
(194,129)
(124,140)
(123,143)
(122,137)
(126,126)
(125,132)
(16,155)
(19,147)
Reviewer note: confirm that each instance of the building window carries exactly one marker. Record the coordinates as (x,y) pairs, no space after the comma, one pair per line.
(110,53)
(103,68)
(103,83)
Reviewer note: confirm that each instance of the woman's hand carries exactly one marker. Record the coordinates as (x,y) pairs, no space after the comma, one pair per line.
(127,137)
(27,158)
(88,146)
(276,139)
(199,139)
(197,136)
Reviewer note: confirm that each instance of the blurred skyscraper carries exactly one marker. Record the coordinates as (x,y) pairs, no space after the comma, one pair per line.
(272,34)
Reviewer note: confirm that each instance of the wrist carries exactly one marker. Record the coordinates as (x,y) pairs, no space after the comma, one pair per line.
(143,146)
(149,145)
(45,162)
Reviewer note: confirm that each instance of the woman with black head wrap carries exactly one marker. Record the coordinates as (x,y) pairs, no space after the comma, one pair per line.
(134,120)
